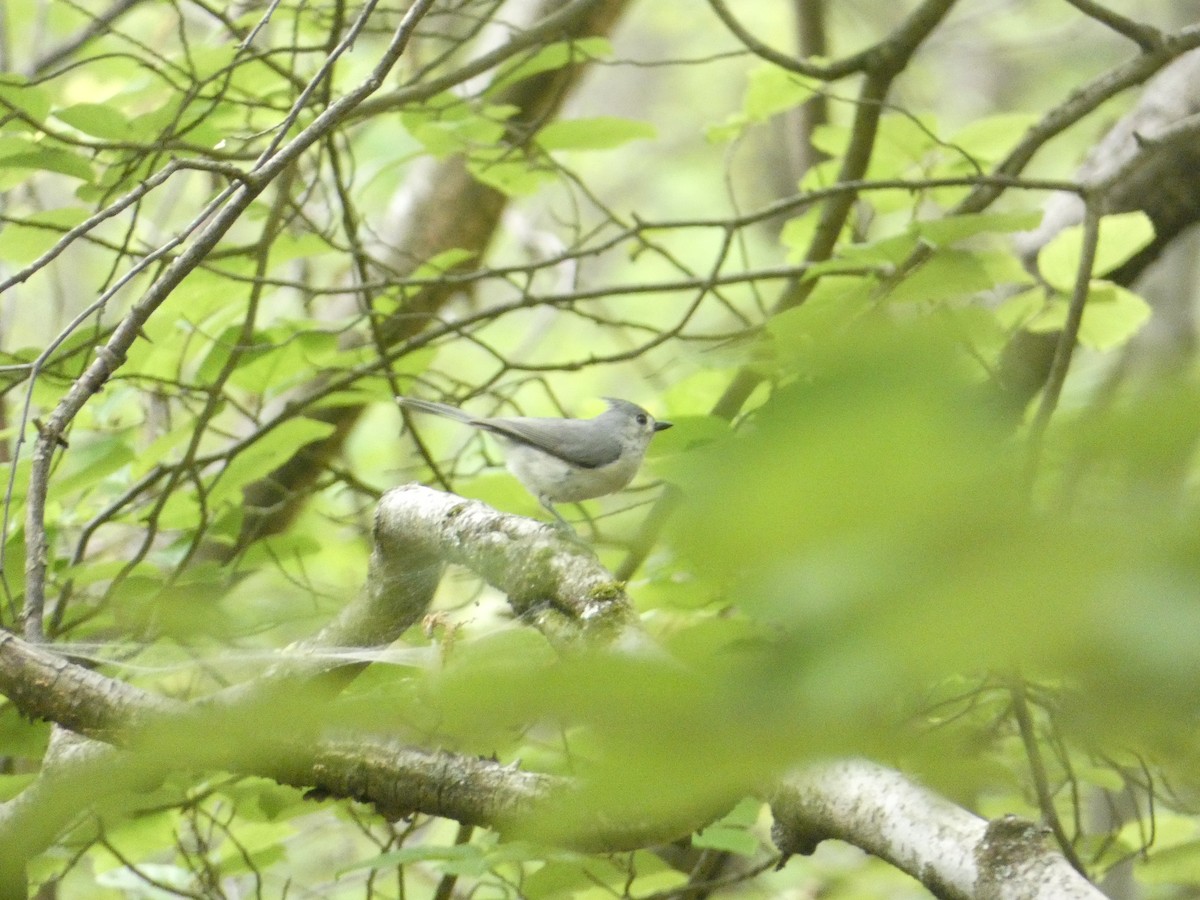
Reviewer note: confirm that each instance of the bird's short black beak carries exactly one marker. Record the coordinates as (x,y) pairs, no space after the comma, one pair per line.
(662,426)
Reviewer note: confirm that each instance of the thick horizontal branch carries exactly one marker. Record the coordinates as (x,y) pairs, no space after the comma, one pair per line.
(550,579)
(951,851)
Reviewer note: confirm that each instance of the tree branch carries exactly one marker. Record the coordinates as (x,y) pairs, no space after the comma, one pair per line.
(952,852)
(228,210)
(1150,161)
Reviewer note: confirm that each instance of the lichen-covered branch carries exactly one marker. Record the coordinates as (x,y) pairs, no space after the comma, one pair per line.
(953,852)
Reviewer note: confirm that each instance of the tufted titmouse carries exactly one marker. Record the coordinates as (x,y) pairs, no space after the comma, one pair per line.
(566,460)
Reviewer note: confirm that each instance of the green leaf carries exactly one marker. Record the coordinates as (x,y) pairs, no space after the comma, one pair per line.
(285,359)
(797,233)
(1121,236)
(18,153)
(17,93)
(771,90)
(461,859)
(885,254)
(494,667)
(833,304)
(599,133)
(290,246)
(23,242)
(898,463)
(987,140)
(512,175)
(901,143)
(224,345)
(443,137)
(552,57)
(731,840)
(443,262)
(92,461)
(731,832)
(21,738)
(1178,865)
(1111,317)
(273,448)
(951,229)
(98,120)
(447,124)
(727,130)
(951,274)
(180,512)
(1020,309)
(1106,778)
(831,140)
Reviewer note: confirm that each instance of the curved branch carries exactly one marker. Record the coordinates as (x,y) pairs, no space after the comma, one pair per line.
(952,852)
(548,578)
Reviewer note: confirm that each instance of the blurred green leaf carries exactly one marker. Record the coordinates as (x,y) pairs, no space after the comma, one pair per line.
(989,139)
(509,173)
(1177,866)
(23,242)
(262,456)
(100,120)
(1122,235)
(875,501)
(46,158)
(551,57)
(771,90)
(952,229)
(459,859)
(901,143)
(447,124)
(569,877)
(729,840)
(731,833)
(957,274)
(93,462)
(1112,315)
(598,133)
(17,93)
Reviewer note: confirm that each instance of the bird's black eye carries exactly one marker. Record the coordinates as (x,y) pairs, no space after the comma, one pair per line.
(641,419)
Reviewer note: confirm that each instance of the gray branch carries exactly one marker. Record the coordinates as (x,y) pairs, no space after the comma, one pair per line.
(952,852)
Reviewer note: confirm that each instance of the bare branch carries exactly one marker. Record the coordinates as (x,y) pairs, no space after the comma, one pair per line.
(112,354)
(1147,37)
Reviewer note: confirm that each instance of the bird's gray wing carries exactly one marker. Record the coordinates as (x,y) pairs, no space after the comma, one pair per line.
(571,440)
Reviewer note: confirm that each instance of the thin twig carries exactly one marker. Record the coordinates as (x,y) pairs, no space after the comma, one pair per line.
(1037,768)
(1069,335)
(1147,37)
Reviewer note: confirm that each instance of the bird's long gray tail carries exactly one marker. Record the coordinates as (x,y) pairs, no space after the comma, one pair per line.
(438,409)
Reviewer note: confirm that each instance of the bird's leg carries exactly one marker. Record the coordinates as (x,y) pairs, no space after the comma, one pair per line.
(561,522)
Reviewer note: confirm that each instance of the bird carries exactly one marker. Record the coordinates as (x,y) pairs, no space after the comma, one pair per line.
(561,460)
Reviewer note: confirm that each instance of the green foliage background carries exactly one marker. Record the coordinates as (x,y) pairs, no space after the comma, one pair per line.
(874,557)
